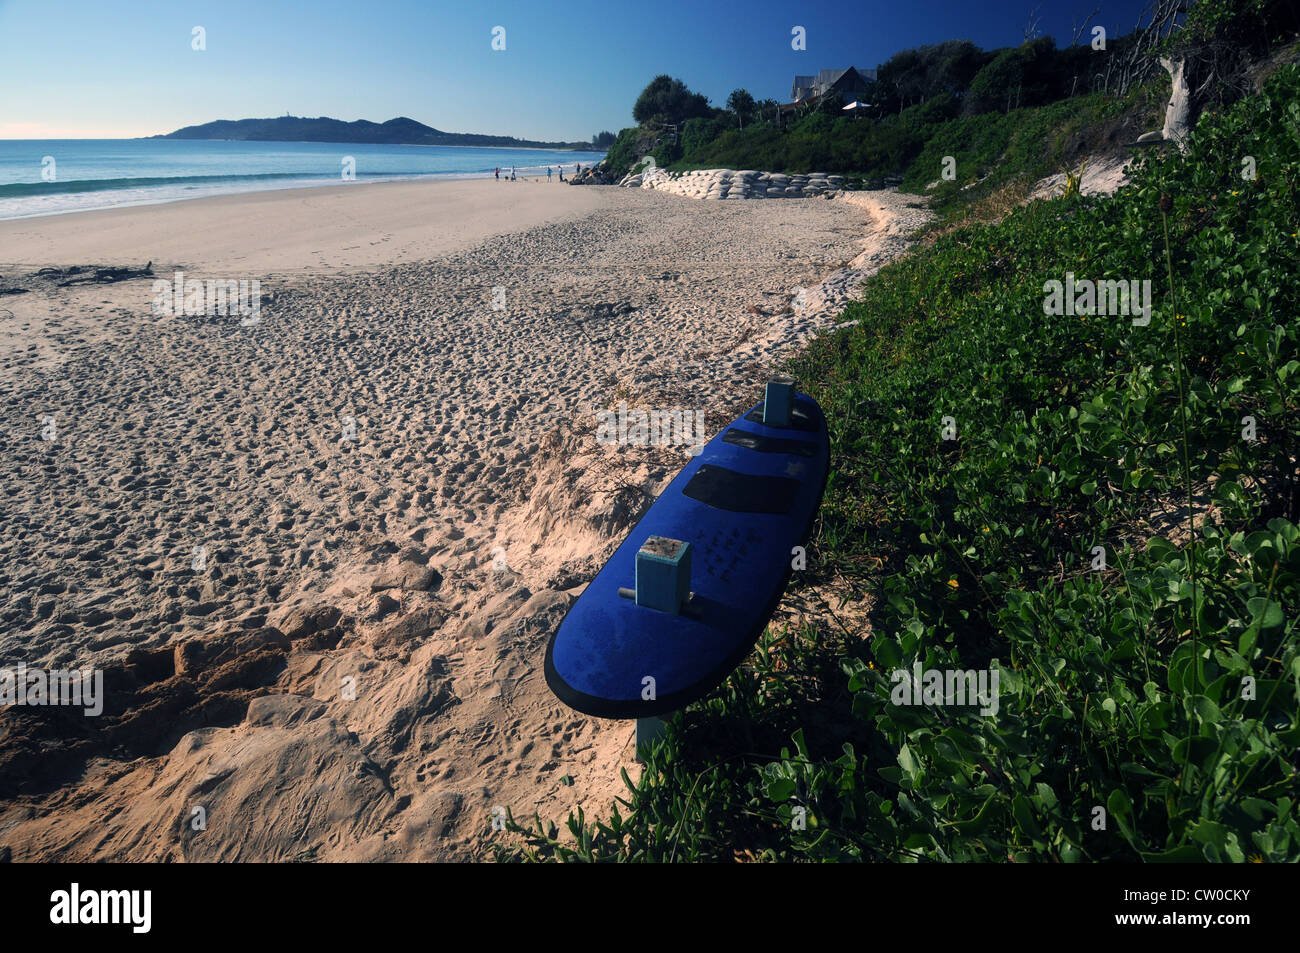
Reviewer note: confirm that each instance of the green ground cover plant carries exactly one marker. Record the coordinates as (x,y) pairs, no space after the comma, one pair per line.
(1149,705)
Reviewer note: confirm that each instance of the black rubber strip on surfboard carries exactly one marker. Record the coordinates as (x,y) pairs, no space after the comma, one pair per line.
(800,419)
(737,492)
(756,441)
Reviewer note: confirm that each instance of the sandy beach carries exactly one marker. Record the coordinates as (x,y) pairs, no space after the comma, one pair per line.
(317,556)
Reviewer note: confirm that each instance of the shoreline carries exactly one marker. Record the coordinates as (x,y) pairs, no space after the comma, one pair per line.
(425,558)
(167,182)
(293,183)
(281,230)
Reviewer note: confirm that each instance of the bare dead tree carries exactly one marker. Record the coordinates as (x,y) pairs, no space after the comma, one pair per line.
(1031,26)
(1217,70)
(1081,28)
(1139,59)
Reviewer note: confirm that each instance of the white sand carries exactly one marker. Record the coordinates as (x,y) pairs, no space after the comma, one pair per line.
(360,225)
(473,456)
(1102,175)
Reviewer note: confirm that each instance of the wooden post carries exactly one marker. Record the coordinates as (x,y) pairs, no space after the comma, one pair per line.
(647,730)
(663,582)
(778,401)
(663,574)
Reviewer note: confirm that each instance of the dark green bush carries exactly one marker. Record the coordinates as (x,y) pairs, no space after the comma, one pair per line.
(668,100)
(622,155)
(698,133)
(1017,77)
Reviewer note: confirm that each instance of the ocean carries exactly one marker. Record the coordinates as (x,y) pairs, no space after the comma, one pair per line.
(55,176)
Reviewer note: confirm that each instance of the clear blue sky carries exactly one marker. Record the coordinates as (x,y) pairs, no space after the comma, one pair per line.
(99,68)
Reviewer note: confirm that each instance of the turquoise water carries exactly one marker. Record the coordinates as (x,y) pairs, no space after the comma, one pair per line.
(107,173)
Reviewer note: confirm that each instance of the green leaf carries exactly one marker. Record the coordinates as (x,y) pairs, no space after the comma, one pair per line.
(907,761)
(1209,832)
(1206,710)
(1266,613)
(979,823)
(1024,815)
(1187,854)
(1046,795)
(780,789)
(1120,808)
(1256,808)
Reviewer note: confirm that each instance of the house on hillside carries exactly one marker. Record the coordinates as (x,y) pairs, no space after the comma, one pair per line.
(852,84)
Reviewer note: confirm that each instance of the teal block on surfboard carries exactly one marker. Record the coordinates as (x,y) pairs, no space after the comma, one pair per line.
(742,505)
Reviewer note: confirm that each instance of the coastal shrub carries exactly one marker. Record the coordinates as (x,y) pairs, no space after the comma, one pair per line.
(1253,26)
(921,120)
(1104,513)
(700,132)
(666,153)
(920,100)
(1016,77)
(759,146)
(622,155)
(669,100)
(816,143)
(910,77)
(995,149)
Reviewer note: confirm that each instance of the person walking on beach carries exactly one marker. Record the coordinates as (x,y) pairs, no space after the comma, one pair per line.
(497,173)
(512,173)
(548,173)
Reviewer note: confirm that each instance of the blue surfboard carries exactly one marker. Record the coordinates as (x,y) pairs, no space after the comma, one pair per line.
(742,504)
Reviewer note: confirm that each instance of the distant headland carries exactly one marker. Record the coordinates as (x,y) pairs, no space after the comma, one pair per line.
(400,131)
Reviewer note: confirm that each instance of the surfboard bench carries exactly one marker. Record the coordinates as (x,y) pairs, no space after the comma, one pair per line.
(688,592)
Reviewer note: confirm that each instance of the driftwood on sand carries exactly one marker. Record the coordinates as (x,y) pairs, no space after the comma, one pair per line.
(100,275)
